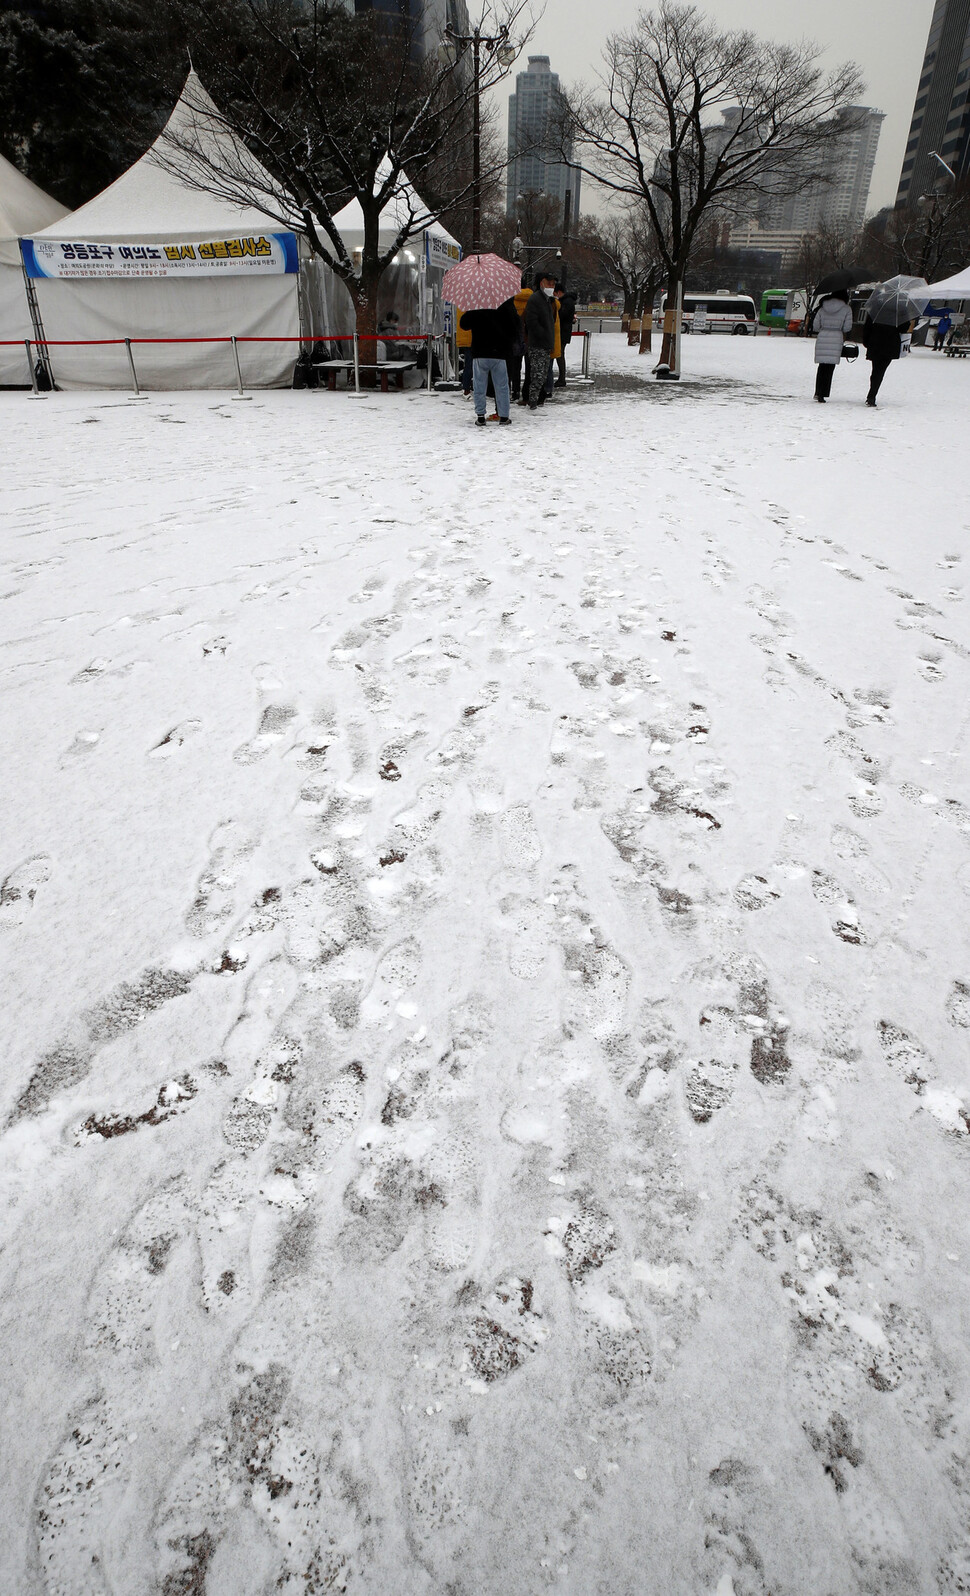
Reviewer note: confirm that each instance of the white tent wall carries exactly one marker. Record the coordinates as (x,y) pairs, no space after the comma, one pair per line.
(23,207)
(166,308)
(14,323)
(152,205)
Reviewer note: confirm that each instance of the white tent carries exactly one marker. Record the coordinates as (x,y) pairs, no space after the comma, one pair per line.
(23,207)
(411,285)
(957,287)
(153,257)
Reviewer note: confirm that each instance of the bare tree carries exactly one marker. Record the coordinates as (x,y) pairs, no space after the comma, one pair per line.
(334,107)
(830,247)
(648,127)
(625,246)
(930,239)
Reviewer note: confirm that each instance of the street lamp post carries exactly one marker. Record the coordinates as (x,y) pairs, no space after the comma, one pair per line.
(505,52)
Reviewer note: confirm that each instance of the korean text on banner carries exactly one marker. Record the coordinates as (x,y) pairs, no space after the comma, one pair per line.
(267,255)
(440,252)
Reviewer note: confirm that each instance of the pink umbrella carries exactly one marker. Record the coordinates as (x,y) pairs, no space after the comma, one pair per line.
(481,282)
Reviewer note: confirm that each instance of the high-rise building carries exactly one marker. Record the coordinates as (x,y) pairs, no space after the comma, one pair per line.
(941,115)
(428,18)
(838,199)
(536,164)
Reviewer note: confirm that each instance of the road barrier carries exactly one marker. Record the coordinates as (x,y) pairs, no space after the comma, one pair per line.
(430,340)
(435,345)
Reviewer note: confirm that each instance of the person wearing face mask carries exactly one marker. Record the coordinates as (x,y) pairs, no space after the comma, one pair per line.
(540,334)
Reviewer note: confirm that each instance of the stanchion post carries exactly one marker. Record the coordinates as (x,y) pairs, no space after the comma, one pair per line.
(429,347)
(356,364)
(35,391)
(134,375)
(239,382)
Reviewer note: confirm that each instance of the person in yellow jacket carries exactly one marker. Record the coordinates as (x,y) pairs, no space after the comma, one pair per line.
(519,385)
(464,342)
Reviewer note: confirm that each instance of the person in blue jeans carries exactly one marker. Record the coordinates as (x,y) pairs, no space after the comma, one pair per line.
(494,334)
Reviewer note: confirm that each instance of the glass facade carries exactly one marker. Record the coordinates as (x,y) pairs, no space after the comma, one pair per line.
(535,157)
(941,115)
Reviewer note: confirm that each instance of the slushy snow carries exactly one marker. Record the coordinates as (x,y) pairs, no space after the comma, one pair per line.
(487,989)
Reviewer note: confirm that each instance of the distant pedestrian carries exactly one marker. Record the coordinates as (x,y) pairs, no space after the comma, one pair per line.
(883,345)
(567,316)
(943,324)
(540,336)
(832,322)
(493,334)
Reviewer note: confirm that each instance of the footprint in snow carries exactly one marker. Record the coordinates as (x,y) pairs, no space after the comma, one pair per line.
(910,1059)
(20,888)
(272,729)
(174,739)
(215,892)
(846,925)
(958,1004)
(84,743)
(754,892)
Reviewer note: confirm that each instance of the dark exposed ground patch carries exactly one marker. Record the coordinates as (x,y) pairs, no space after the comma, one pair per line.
(588,1241)
(191,1580)
(68,1061)
(164,1106)
(770,1063)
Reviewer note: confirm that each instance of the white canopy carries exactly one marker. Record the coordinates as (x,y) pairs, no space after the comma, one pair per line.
(151,204)
(23,206)
(403,208)
(23,209)
(957,287)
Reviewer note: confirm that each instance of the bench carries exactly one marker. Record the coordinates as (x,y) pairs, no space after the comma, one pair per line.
(386,369)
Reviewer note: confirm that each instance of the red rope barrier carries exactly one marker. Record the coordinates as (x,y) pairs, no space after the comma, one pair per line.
(223,338)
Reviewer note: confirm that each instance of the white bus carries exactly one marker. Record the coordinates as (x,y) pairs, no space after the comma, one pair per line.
(718,312)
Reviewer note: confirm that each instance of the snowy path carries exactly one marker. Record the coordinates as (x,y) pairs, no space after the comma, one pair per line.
(487,983)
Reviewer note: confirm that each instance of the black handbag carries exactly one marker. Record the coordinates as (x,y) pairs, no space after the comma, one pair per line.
(850,351)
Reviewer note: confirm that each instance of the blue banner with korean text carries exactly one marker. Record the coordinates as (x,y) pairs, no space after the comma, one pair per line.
(263,254)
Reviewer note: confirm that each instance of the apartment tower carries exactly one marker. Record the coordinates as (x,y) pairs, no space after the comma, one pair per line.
(941,115)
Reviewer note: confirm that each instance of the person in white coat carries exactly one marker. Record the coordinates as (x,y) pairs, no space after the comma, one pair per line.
(833,324)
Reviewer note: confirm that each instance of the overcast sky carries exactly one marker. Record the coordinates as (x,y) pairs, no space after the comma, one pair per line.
(886,37)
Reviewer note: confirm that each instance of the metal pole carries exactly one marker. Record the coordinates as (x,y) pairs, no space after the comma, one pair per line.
(678,328)
(356,365)
(239,381)
(134,375)
(476,149)
(429,346)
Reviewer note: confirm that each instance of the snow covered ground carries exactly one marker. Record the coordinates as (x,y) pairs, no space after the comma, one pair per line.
(486,990)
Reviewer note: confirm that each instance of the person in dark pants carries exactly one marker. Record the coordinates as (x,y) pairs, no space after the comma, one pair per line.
(567,316)
(540,336)
(832,323)
(883,346)
(493,334)
(514,361)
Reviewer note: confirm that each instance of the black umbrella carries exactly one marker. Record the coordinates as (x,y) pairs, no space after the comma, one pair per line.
(841,281)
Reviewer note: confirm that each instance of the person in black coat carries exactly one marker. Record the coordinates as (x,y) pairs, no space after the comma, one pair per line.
(883,346)
(567,317)
(494,334)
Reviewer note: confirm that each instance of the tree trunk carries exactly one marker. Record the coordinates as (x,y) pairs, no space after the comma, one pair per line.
(667,347)
(363,292)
